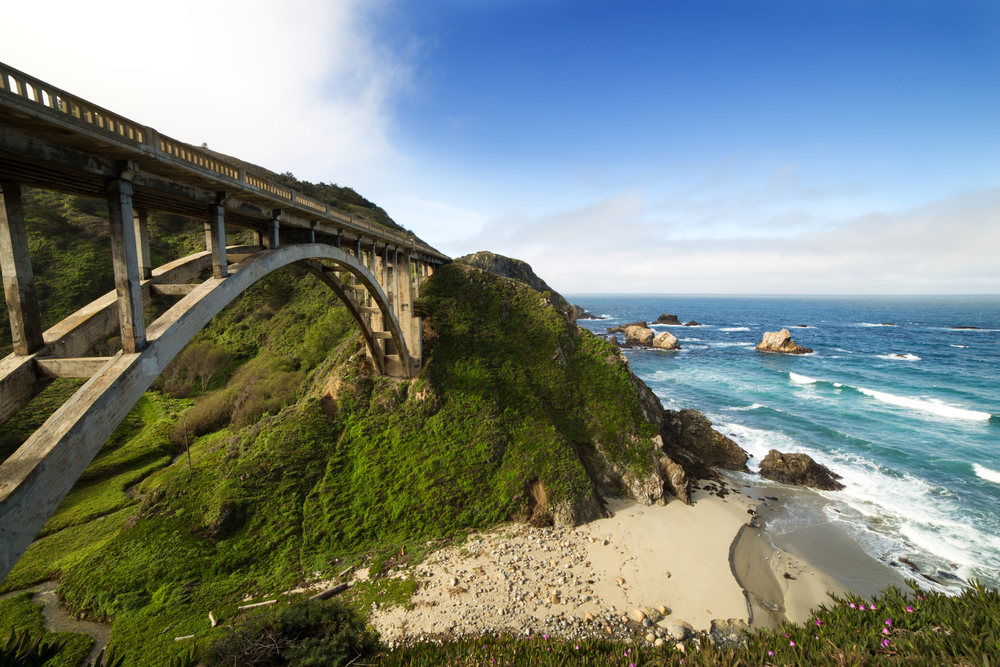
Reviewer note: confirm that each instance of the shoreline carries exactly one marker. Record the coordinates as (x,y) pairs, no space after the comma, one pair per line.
(710,567)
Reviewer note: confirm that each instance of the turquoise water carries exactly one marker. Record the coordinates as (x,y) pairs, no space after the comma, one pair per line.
(916,437)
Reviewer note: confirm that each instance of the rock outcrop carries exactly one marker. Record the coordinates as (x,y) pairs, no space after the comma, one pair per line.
(519,270)
(639,336)
(781,341)
(580,314)
(693,431)
(668,319)
(692,323)
(800,470)
(621,328)
(973,328)
(666,341)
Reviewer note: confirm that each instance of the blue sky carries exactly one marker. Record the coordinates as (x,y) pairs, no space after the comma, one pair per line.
(695,146)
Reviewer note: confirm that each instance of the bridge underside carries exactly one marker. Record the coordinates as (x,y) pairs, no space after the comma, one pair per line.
(35,479)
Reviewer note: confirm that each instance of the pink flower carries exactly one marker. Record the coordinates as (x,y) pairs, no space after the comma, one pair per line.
(818,622)
(888,622)
(791,643)
(852,606)
(770,652)
(909,610)
(885,631)
(861,607)
(885,642)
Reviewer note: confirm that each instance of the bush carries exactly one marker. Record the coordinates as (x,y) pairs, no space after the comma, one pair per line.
(305,634)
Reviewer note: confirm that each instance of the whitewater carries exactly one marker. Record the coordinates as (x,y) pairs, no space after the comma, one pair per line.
(902,405)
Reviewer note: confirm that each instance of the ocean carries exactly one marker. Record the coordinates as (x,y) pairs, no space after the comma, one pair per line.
(907,414)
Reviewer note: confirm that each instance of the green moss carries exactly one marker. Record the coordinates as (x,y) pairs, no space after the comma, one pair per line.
(20,613)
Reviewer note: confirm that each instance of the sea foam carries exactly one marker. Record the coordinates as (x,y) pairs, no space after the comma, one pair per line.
(934,407)
(735,329)
(899,357)
(985,473)
(801,379)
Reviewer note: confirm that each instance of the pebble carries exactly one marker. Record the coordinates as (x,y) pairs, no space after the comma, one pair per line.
(650,638)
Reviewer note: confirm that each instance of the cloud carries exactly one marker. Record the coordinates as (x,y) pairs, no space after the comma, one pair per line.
(299,85)
(614,245)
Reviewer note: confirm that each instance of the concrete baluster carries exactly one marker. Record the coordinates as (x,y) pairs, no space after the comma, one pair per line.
(18,280)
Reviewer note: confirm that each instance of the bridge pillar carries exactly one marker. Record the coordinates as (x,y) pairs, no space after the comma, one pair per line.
(408,322)
(126,263)
(273,227)
(140,220)
(18,280)
(395,283)
(215,240)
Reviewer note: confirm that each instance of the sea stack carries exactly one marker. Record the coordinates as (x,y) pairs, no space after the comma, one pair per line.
(780,341)
(799,469)
(667,318)
(666,341)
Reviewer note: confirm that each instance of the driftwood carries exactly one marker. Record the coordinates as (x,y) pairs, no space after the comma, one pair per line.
(257,604)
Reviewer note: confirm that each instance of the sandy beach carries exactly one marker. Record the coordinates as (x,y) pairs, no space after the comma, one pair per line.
(681,566)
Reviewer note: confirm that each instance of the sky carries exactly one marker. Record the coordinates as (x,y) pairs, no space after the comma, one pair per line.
(618,146)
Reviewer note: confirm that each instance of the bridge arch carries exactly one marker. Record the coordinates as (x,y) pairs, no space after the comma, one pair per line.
(35,479)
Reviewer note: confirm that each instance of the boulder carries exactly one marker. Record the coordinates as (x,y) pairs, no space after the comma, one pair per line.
(975,328)
(621,329)
(668,319)
(693,431)
(800,470)
(692,323)
(639,336)
(614,341)
(780,341)
(675,479)
(666,341)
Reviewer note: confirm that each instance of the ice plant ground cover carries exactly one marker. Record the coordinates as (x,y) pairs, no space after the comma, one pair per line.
(894,628)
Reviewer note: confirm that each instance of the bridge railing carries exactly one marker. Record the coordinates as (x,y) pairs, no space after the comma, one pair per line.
(146,139)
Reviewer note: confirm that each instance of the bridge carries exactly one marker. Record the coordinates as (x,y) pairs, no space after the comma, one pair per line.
(53,140)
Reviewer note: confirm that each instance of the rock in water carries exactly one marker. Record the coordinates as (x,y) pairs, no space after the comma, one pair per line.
(693,431)
(799,469)
(692,323)
(668,319)
(639,336)
(580,314)
(666,341)
(781,341)
(623,327)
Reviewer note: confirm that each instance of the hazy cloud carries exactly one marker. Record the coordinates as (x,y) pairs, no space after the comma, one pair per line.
(297,85)
(947,246)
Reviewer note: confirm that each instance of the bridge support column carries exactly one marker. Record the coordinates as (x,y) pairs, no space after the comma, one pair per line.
(140,220)
(18,280)
(215,240)
(408,322)
(395,283)
(126,263)
(273,227)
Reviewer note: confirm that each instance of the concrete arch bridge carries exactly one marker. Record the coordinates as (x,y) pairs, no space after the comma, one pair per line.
(53,140)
